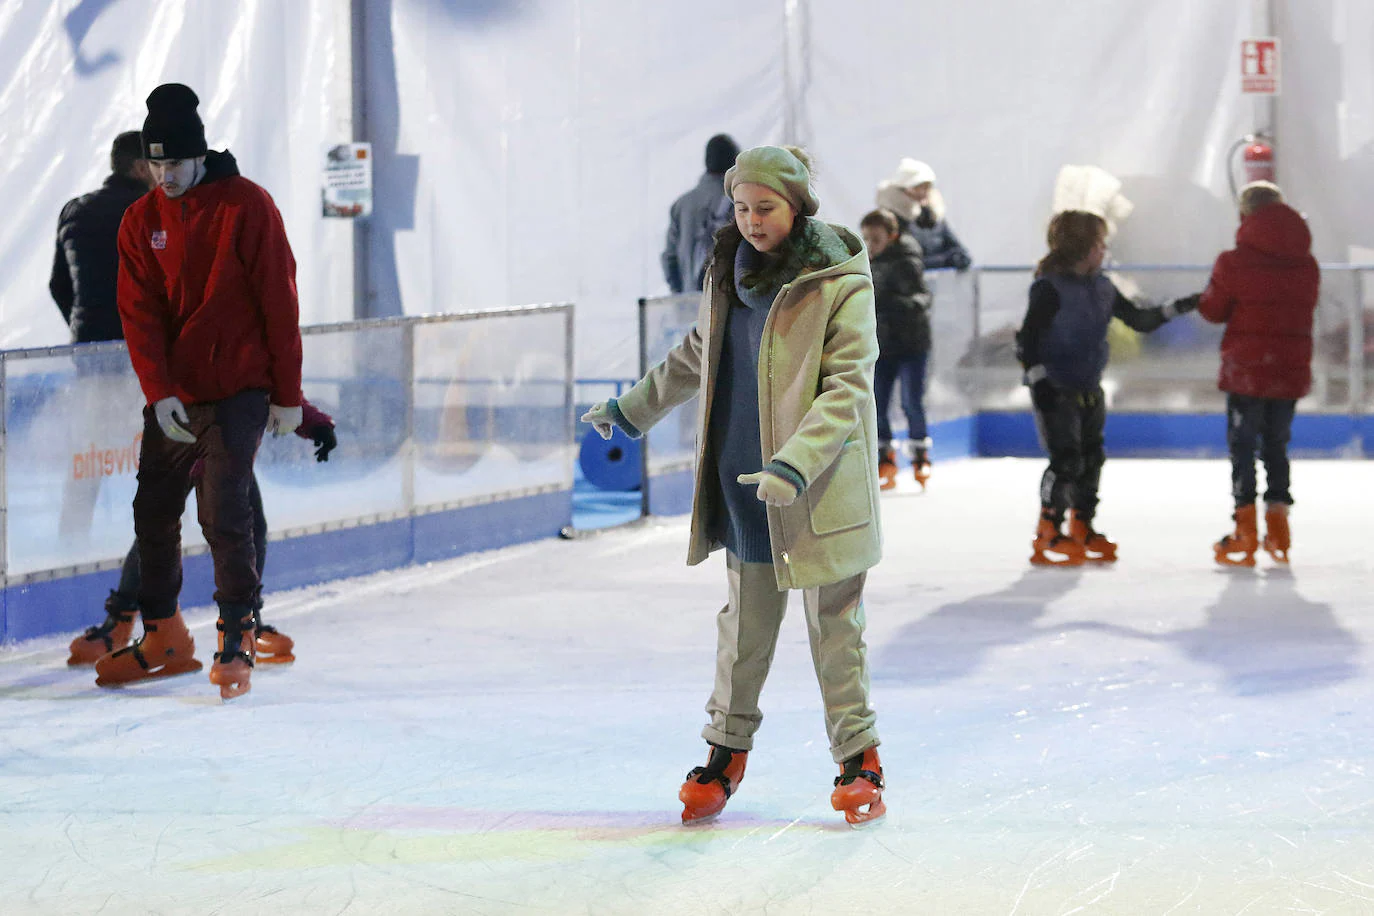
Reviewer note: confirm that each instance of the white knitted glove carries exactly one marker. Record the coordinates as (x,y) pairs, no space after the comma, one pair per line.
(282,420)
(172,418)
(774,490)
(600,419)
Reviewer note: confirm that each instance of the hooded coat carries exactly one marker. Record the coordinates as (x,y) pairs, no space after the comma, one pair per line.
(207,291)
(1265,291)
(816,415)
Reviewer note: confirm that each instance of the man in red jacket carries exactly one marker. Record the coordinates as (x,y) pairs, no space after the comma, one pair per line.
(1265,292)
(207,295)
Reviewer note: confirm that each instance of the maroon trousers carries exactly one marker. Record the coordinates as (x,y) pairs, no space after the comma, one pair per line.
(227,433)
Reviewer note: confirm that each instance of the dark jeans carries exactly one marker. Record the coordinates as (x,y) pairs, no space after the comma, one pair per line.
(1070,431)
(228,433)
(1265,423)
(911,370)
(129,575)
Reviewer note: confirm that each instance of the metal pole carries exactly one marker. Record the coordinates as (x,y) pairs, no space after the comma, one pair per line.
(408,446)
(1264,24)
(362,238)
(644,443)
(1355,347)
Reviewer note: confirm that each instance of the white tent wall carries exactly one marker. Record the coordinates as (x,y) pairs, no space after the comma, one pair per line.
(548,140)
(1325,147)
(996,97)
(274,82)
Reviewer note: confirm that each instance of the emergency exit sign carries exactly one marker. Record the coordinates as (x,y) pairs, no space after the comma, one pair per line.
(1259,66)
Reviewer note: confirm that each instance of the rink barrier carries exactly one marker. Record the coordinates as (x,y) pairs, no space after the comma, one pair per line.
(483,399)
(1161,391)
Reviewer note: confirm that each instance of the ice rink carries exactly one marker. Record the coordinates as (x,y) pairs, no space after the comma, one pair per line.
(505,733)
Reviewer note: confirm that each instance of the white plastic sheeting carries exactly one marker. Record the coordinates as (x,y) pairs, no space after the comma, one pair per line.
(549,138)
(274,84)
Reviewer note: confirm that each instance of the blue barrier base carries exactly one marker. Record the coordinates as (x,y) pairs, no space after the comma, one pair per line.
(1154,435)
(73,603)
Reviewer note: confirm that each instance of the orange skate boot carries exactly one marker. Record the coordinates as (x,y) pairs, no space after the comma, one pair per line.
(1238,548)
(165,649)
(1051,546)
(233,665)
(273,646)
(920,462)
(859,789)
(1096,547)
(887,467)
(1276,534)
(708,788)
(112,635)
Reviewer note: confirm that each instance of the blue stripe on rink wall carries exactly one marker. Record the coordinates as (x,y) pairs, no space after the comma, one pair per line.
(76,602)
(1154,435)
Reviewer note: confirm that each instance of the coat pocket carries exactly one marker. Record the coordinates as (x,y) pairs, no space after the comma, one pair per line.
(839,499)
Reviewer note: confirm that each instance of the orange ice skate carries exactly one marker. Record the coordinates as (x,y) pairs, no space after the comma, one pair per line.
(708,788)
(165,649)
(859,789)
(1238,548)
(1052,547)
(887,467)
(233,667)
(1277,537)
(112,635)
(1096,547)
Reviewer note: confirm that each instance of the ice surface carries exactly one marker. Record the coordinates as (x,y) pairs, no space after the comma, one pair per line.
(506,732)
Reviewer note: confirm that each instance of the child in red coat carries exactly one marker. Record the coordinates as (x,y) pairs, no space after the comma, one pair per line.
(1265,292)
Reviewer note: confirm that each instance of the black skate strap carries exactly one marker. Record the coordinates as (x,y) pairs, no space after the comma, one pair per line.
(848,777)
(714,771)
(704,776)
(233,641)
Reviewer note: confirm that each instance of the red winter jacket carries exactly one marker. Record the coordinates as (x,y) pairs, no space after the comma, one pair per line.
(1265,292)
(207,291)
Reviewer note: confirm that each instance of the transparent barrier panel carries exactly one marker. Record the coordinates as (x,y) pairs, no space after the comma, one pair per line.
(667,320)
(1172,369)
(73,428)
(492,406)
(952,323)
(356,375)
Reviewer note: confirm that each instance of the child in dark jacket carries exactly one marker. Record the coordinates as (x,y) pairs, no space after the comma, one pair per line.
(1063,347)
(903,311)
(1265,292)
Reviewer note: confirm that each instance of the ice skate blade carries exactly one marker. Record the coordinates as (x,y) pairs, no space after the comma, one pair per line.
(286,659)
(860,820)
(1040,558)
(1226,559)
(688,821)
(166,671)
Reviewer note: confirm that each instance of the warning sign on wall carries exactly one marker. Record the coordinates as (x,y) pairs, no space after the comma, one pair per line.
(347,185)
(1259,66)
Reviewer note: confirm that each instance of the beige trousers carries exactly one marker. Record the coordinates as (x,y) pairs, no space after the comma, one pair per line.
(747,635)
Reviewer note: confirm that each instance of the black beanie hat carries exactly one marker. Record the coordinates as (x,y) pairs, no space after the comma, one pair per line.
(172,129)
(721,151)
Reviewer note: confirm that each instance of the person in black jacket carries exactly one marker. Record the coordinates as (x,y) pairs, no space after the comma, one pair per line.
(1062,345)
(903,309)
(85,267)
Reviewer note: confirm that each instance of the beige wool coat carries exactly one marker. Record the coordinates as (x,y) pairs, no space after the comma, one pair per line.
(816,414)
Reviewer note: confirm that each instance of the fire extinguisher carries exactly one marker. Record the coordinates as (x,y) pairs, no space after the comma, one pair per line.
(1257,159)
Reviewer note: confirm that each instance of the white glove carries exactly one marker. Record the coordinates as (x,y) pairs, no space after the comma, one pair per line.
(172,418)
(600,418)
(774,490)
(282,421)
